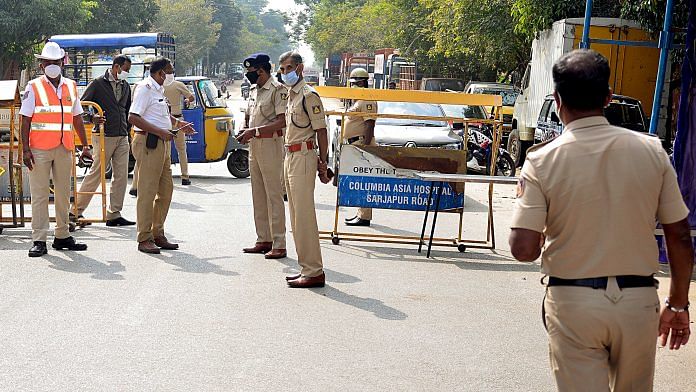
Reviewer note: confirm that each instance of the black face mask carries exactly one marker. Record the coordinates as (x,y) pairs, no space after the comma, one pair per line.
(252,76)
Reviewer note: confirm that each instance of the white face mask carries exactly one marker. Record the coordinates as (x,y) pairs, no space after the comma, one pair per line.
(123,75)
(52,71)
(169,79)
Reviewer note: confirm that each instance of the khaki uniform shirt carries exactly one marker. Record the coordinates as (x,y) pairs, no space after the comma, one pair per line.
(301,125)
(358,126)
(595,192)
(266,103)
(175,93)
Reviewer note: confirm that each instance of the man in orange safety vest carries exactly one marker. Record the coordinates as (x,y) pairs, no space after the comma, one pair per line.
(51,112)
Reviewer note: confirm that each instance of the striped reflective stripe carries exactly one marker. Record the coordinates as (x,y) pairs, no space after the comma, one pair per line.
(51,127)
(41,92)
(51,109)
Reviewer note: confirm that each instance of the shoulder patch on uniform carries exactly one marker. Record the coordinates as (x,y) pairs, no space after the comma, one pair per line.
(316,109)
(369,106)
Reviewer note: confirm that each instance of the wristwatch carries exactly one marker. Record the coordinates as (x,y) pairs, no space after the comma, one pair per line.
(257,133)
(674,309)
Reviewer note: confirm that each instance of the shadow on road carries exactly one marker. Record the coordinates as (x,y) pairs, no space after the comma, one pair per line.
(78,263)
(186,206)
(372,305)
(187,262)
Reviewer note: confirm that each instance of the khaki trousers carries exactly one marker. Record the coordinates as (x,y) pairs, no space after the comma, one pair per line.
(180,144)
(56,164)
(266,167)
(116,150)
(155,187)
(134,183)
(300,177)
(602,340)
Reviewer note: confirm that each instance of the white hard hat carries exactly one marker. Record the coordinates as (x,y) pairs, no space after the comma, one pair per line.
(51,51)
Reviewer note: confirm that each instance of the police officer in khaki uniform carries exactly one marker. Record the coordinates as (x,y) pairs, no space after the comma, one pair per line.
(265,120)
(153,124)
(306,128)
(176,93)
(590,199)
(360,131)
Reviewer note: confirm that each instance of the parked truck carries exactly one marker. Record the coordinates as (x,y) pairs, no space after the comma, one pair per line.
(388,65)
(633,70)
(351,61)
(332,70)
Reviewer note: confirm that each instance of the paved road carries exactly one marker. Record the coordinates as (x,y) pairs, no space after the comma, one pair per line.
(211,318)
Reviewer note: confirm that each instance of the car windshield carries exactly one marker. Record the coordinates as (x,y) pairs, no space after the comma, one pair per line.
(509,96)
(210,94)
(626,115)
(465,111)
(444,85)
(418,109)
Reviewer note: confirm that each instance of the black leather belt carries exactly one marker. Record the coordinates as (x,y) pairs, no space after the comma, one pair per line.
(624,281)
(354,139)
(177,115)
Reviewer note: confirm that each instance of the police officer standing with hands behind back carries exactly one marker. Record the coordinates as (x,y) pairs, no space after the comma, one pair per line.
(265,120)
(50,111)
(592,196)
(306,127)
(360,131)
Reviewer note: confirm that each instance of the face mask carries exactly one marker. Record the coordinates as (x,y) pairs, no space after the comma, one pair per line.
(52,71)
(168,79)
(252,76)
(123,75)
(290,78)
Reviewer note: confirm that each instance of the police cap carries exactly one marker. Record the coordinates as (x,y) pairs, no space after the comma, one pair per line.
(256,60)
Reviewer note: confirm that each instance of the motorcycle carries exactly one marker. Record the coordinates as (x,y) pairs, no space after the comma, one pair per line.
(479,151)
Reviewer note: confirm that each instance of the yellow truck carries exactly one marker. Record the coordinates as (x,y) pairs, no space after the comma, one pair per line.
(633,70)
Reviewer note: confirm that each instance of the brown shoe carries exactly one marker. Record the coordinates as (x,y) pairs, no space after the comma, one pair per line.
(148,247)
(276,254)
(260,247)
(293,277)
(304,282)
(164,243)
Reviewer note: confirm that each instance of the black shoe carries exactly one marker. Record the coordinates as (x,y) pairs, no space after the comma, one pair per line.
(120,221)
(68,244)
(38,250)
(133,192)
(185,181)
(351,219)
(358,222)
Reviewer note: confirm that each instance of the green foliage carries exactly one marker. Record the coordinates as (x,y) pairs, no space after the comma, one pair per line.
(26,23)
(115,16)
(651,13)
(191,23)
(536,15)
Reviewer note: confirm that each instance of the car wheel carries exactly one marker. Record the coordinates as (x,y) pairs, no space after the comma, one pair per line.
(238,163)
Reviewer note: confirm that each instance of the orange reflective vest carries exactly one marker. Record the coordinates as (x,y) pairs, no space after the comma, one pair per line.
(52,122)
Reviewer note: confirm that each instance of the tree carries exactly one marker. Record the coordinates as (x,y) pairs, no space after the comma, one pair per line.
(191,23)
(227,48)
(532,16)
(113,16)
(27,23)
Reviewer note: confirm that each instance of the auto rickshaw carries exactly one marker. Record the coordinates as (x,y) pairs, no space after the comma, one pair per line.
(214,139)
